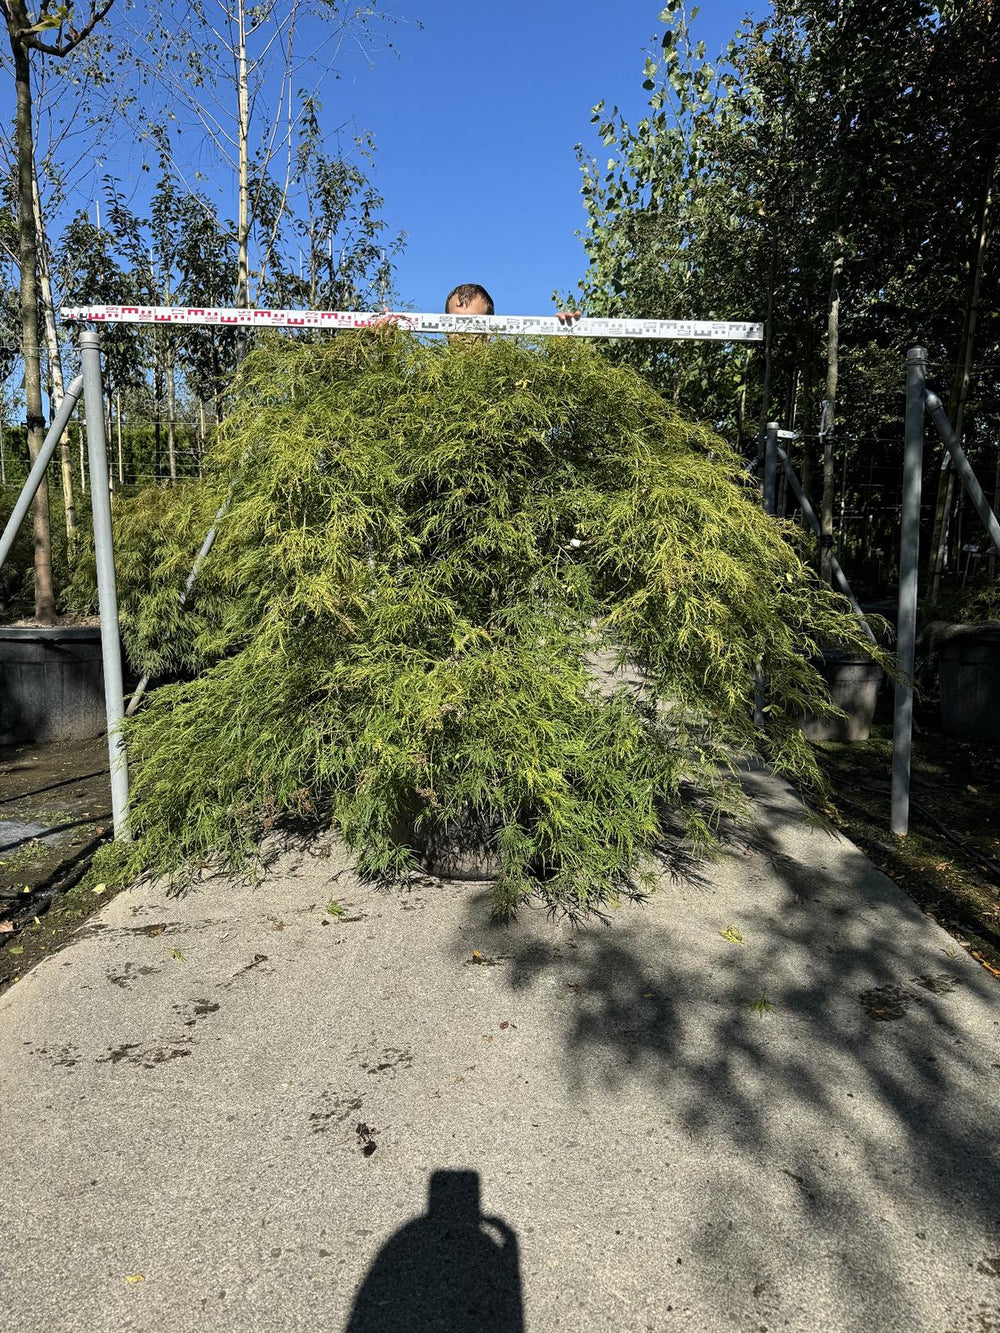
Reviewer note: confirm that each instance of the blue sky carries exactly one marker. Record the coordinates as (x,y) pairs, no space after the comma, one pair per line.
(475,112)
(475,125)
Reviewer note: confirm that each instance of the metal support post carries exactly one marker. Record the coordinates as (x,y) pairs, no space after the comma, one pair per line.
(963,467)
(107,592)
(811,517)
(909,553)
(771,469)
(59,423)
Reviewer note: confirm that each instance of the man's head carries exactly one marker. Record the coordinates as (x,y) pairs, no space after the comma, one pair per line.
(468,298)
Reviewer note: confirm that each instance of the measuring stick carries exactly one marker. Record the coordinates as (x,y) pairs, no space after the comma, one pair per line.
(712,330)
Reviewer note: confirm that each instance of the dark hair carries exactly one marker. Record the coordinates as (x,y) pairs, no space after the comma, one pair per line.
(465,293)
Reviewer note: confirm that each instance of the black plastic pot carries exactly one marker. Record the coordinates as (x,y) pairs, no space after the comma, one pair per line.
(854,684)
(461,850)
(51,683)
(969,679)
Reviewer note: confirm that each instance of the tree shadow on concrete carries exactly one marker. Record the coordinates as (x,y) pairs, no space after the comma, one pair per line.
(451,1270)
(841,1053)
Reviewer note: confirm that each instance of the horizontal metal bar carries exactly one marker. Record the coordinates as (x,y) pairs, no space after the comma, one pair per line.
(584,326)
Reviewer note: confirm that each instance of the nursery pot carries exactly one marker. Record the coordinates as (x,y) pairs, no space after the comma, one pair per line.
(853,682)
(969,677)
(51,683)
(461,850)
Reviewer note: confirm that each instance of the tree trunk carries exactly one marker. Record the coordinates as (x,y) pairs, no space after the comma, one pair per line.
(169,370)
(55,357)
(216,385)
(765,393)
(741,412)
(171,416)
(157,403)
(963,375)
(118,424)
(827,425)
(807,469)
(45,606)
(789,417)
(243,135)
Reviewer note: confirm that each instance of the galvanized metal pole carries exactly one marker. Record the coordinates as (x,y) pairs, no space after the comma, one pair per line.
(771,468)
(963,467)
(909,552)
(107,592)
(59,424)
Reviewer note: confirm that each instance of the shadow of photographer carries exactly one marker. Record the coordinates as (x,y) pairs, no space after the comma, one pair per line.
(449,1269)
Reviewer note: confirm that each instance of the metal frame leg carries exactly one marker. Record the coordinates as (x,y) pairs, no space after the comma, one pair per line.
(909,552)
(963,467)
(107,592)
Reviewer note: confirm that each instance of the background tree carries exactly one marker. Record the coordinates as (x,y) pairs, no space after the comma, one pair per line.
(235,71)
(827,175)
(52,33)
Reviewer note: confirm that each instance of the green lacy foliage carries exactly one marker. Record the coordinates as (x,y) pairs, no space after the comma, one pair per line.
(423,548)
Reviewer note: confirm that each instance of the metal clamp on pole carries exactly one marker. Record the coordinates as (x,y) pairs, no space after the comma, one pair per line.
(909,553)
(107,591)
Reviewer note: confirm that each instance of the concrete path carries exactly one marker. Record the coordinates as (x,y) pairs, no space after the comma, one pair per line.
(228,1111)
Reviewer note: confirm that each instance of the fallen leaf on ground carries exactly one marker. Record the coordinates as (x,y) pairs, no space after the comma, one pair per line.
(6,927)
(135,1277)
(98,888)
(975,953)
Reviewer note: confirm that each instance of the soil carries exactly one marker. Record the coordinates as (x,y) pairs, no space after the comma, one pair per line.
(62,622)
(55,811)
(949,862)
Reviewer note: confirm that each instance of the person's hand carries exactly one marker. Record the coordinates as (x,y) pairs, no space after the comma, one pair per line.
(568,317)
